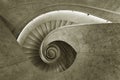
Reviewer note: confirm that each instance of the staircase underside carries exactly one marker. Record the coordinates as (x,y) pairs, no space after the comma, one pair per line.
(61,47)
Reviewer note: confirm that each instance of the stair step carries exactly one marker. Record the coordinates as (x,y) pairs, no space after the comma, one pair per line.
(48,25)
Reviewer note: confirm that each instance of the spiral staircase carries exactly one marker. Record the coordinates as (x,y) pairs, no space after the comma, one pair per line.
(59,40)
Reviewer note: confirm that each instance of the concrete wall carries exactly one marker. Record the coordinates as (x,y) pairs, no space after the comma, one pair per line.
(18,13)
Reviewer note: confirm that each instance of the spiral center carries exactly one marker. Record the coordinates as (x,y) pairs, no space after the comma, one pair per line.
(51,53)
(57,55)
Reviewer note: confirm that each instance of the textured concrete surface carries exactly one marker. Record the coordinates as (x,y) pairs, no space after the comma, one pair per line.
(98,56)
(97,46)
(10,51)
(19,13)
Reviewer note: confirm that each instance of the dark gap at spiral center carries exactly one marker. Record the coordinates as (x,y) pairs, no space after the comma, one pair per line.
(65,59)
